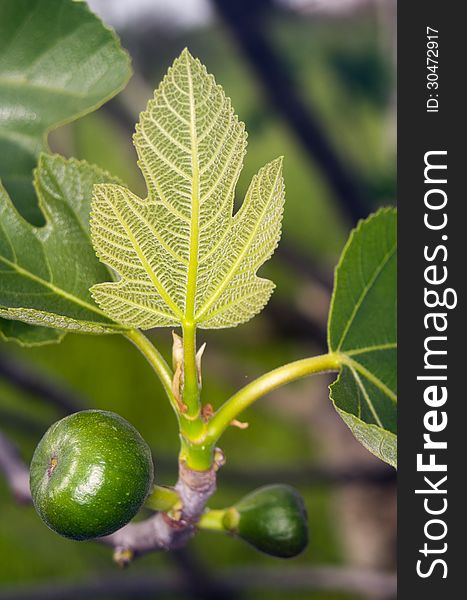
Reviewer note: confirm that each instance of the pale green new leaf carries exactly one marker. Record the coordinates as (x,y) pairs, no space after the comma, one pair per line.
(362,328)
(181,255)
(46,272)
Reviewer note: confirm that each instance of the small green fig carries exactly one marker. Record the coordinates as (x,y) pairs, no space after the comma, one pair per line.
(273,519)
(90,474)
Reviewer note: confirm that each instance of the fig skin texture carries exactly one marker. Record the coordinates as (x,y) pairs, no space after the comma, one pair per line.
(273,519)
(90,474)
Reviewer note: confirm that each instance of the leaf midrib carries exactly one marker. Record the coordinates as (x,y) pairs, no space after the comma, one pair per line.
(195,206)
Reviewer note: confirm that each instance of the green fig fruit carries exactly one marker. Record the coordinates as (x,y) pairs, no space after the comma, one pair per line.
(273,519)
(90,474)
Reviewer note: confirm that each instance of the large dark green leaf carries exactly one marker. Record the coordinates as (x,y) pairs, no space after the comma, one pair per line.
(57,62)
(46,272)
(362,330)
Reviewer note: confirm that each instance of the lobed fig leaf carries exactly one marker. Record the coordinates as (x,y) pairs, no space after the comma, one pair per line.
(181,255)
(46,271)
(57,62)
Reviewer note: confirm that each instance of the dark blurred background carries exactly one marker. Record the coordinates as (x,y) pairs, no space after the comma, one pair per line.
(313,80)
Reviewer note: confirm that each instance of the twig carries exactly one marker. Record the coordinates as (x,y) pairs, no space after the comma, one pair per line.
(16,472)
(160,532)
(243,18)
(371,584)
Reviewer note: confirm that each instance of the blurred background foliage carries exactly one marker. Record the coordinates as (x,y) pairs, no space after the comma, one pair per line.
(340,58)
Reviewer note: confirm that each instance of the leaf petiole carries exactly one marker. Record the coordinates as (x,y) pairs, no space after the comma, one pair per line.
(163,499)
(156,360)
(219,520)
(191,384)
(268,382)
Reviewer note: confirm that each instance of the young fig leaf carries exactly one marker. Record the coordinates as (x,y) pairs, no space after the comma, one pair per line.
(46,272)
(181,255)
(362,329)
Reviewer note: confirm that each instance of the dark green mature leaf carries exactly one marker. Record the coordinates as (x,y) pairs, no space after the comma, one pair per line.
(28,335)
(57,62)
(362,329)
(46,272)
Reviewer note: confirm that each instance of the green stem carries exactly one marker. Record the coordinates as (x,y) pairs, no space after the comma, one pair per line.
(156,361)
(231,409)
(162,499)
(219,520)
(190,385)
(198,456)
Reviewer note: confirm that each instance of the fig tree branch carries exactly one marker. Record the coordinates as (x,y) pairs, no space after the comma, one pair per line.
(162,531)
(159,532)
